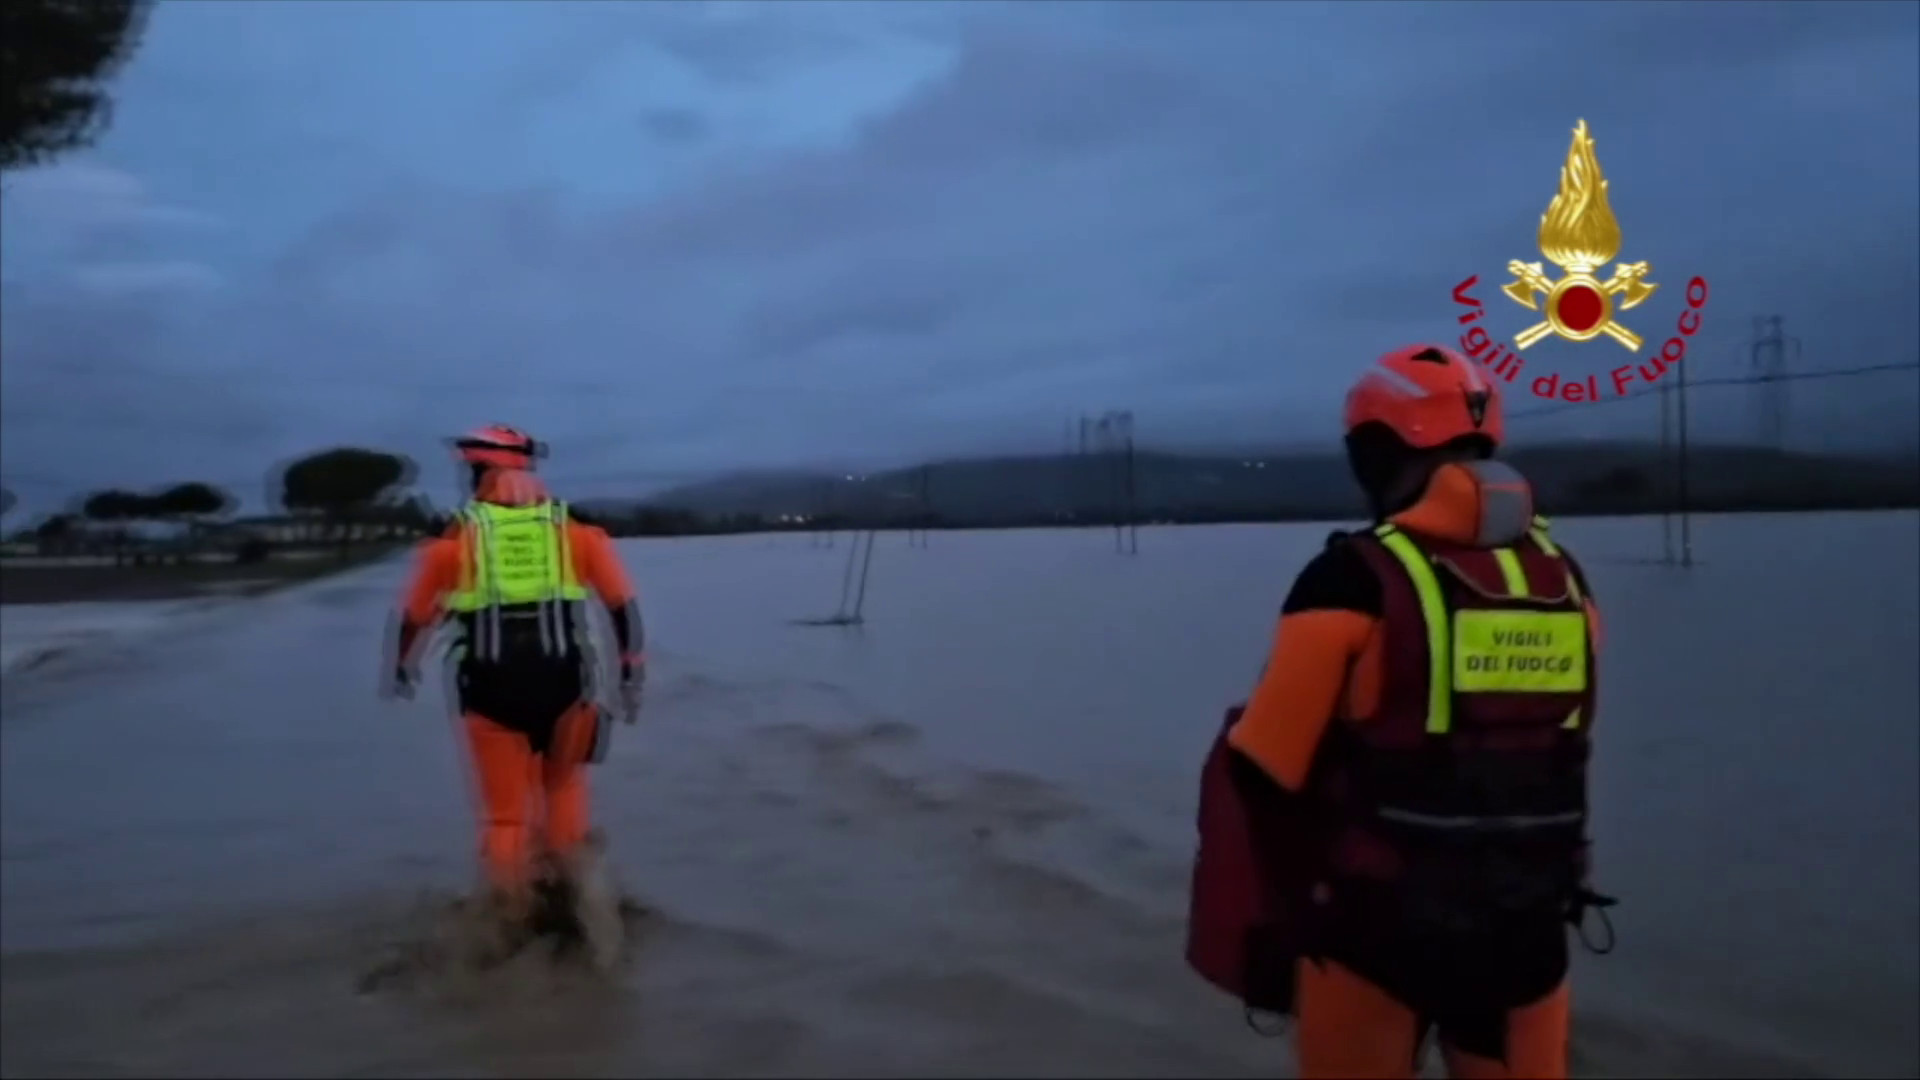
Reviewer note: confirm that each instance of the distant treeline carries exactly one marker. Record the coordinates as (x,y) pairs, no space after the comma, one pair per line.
(653,521)
(344,494)
(335,497)
(1087,490)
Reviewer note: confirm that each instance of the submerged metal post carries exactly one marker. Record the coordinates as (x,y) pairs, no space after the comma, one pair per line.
(924,512)
(1686,490)
(866,563)
(1133,495)
(861,552)
(823,524)
(1666,474)
(846,577)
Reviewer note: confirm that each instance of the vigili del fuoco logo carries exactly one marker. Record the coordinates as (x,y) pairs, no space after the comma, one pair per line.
(1579,235)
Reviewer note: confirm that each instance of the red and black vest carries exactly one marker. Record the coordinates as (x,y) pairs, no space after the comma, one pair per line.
(1464,795)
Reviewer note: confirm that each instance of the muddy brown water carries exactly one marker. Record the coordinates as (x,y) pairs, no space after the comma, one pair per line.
(954,842)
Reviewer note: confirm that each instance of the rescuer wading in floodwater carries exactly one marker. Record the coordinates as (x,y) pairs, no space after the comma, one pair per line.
(512,573)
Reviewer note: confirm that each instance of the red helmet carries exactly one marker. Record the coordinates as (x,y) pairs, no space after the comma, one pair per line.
(499,447)
(1427,395)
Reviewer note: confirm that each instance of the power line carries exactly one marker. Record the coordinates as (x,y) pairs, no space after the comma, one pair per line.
(1107,451)
(1773,419)
(1682,485)
(268,481)
(1111,436)
(1743,380)
(597,389)
(1770,350)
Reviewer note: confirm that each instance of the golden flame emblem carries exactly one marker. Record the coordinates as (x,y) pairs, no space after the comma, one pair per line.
(1579,234)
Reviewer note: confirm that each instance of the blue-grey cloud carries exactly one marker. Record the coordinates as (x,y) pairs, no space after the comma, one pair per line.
(685,237)
(674,125)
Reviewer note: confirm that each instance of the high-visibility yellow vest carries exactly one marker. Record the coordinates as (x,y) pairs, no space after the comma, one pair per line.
(513,555)
(1466,649)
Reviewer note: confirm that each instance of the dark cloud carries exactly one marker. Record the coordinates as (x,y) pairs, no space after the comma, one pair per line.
(723,44)
(903,309)
(735,44)
(675,127)
(99,389)
(1034,97)
(1002,214)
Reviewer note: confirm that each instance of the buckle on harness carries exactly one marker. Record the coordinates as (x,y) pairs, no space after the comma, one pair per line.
(1584,901)
(1266,1023)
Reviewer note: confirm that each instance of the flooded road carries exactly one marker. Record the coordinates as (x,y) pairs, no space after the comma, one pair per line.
(952,842)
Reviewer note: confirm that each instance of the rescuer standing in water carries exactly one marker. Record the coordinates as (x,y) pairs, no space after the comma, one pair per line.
(513,572)
(1394,830)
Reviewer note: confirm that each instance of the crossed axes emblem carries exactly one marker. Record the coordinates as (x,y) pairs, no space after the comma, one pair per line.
(1627,283)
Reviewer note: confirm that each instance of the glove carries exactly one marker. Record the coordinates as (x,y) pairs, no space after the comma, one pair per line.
(633,681)
(400,683)
(401,677)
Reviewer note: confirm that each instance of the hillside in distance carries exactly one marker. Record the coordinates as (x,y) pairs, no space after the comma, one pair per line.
(1035,489)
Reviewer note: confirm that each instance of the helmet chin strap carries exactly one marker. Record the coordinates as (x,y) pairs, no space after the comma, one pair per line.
(1393,478)
(1407,484)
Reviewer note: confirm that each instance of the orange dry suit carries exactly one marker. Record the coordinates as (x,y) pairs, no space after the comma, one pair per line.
(1411,775)
(512,572)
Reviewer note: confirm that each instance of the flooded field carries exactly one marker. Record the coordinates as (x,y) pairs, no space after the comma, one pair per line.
(954,841)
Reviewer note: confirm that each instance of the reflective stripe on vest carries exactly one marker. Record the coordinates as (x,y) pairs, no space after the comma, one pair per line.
(1539,534)
(1493,652)
(514,555)
(519,557)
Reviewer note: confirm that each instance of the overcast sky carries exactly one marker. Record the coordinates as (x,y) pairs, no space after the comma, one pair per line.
(673,239)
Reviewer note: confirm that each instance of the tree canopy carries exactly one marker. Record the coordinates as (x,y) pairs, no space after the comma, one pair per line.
(192,499)
(6,500)
(117,505)
(342,481)
(189,500)
(56,527)
(55,59)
